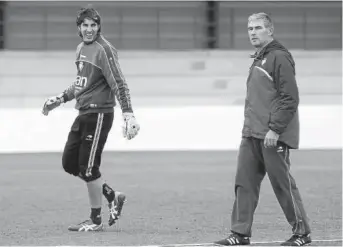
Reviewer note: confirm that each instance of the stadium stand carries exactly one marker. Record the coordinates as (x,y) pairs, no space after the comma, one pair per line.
(162,47)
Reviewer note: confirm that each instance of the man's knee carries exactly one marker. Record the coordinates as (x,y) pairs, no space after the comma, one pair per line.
(70,166)
(89,176)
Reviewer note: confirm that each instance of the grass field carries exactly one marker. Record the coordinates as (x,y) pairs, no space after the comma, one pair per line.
(173,198)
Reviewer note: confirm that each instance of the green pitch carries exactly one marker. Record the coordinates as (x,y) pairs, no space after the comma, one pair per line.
(173,198)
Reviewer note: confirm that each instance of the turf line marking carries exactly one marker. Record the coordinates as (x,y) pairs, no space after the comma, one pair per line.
(316,240)
(255,242)
(212,244)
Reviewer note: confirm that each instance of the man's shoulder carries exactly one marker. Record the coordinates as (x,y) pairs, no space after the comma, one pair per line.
(78,50)
(106,47)
(79,46)
(279,54)
(105,43)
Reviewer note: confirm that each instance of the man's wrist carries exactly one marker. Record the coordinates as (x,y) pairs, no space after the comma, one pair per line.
(274,132)
(128,115)
(62,97)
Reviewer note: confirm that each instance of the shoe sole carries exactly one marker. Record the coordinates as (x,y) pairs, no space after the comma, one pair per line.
(121,201)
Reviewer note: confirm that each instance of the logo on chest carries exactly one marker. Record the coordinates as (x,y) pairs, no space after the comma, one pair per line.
(81,81)
(80,66)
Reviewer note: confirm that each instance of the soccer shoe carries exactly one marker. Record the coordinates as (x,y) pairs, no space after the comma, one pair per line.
(234,239)
(298,240)
(87,226)
(115,207)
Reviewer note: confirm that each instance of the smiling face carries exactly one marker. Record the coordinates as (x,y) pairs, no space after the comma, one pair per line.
(89,30)
(260,31)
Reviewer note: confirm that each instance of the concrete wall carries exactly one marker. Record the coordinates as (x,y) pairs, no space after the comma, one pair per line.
(163,128)
(30,75)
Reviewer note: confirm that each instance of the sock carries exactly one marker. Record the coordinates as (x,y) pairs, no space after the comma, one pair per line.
(94,193)
(108,192)
(96,215)
(95,212)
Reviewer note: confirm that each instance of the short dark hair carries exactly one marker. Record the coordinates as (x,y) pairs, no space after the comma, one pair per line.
(267,20)
(88,12)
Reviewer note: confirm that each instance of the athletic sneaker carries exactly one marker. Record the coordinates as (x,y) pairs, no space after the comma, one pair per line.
(298,240)
(87,226)
(115,207)
(234,239)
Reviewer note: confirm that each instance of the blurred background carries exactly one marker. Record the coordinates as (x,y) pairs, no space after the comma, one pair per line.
(174,55)
(197,51)
(173,25)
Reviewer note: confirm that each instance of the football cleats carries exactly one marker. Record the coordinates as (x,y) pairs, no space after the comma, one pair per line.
(115,207)
(87,226)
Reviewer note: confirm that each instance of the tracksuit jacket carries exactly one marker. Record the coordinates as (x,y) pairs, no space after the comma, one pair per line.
(272,96)
(99,79)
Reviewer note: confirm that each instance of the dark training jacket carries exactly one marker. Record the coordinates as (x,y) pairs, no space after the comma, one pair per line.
(99,81)
(272,96)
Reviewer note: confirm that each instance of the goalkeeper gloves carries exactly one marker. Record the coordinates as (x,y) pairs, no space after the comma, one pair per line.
(131,126)
(51,103)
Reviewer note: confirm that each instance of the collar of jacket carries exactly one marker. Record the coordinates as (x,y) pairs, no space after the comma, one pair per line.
(259,52)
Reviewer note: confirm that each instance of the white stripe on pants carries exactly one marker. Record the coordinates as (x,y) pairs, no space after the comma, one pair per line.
(94,144)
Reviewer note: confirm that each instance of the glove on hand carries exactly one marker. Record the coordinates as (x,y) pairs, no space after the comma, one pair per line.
(51,103)
(131,126)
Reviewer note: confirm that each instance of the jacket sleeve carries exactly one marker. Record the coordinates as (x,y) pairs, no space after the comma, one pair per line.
(68,94)
(115,78)
(288,94)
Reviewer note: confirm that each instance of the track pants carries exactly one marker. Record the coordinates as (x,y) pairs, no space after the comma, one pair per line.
(86,141)
(254,161)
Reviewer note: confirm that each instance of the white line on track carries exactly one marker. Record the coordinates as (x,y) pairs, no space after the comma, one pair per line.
(316,240)
(212,244)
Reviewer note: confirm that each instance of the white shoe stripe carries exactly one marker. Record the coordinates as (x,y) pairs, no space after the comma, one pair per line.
(87,228)
(233,241)
(298,242)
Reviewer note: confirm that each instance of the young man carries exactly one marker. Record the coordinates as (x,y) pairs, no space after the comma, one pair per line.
(271,129)
(98,84)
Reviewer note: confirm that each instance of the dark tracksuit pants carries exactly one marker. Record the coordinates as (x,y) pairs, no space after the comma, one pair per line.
(86,140)
(254,161)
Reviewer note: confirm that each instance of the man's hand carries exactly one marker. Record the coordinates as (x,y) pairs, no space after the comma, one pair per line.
(131,126)
(271,139)
(51,103)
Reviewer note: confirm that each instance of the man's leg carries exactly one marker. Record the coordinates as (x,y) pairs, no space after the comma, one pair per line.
(277,164)
(95,129)
(249,175)
(114,198)
(91,126)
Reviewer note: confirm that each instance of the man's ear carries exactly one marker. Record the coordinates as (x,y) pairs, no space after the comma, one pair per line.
(270,31)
